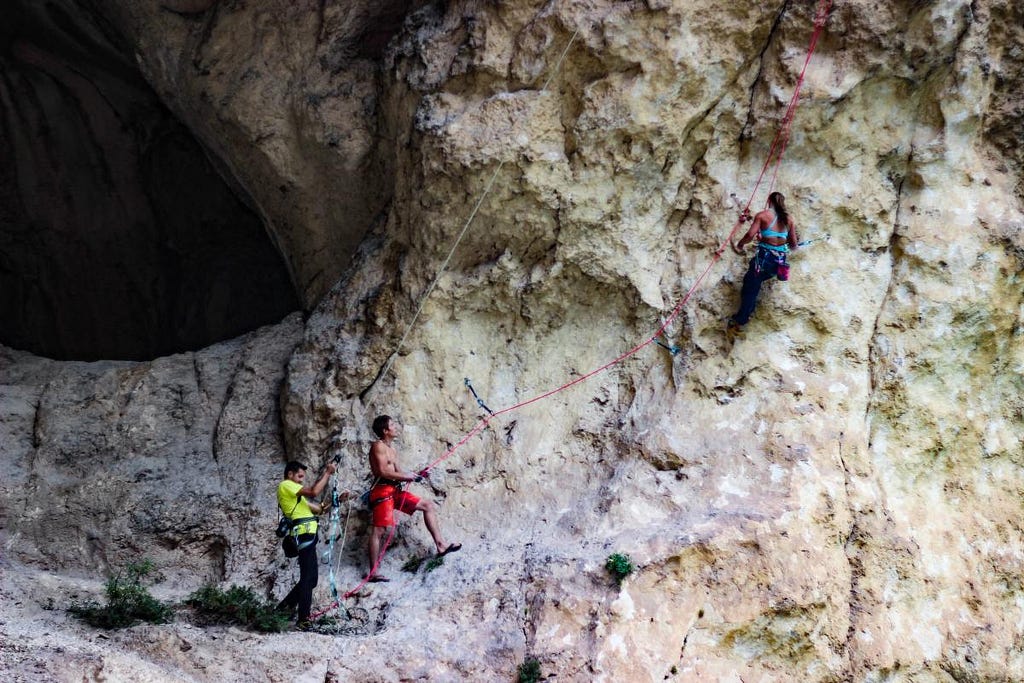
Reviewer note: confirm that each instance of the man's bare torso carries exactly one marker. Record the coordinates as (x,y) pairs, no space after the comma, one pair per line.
(383,460)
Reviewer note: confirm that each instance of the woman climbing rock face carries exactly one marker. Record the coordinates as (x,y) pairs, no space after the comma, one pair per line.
(776,234)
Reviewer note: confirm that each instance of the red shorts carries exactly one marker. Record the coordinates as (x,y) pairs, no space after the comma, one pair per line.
(391,499)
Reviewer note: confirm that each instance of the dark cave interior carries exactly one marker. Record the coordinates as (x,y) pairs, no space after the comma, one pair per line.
(118,237)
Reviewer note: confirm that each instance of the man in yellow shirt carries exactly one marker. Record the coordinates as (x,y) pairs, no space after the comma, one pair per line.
(291,498)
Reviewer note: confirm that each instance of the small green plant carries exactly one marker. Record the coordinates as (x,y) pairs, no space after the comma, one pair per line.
(529,671)
(327,622)
(237,605)
(412,564)
(128,601)
(619,566)
(433,563)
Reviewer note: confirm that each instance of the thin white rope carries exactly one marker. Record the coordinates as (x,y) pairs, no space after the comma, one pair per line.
(337,559)
(465,228)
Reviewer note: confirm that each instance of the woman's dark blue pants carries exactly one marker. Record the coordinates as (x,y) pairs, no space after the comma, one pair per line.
(762,267)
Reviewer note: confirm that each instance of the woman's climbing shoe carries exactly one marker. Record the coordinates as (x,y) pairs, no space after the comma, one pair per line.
(732,330)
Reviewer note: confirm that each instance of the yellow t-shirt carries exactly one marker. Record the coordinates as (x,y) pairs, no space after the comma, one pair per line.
(287,494)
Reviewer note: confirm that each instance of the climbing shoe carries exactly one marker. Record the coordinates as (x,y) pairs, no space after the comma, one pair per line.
(732,330)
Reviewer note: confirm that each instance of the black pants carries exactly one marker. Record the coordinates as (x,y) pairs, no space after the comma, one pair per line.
(764,266)
(301,595)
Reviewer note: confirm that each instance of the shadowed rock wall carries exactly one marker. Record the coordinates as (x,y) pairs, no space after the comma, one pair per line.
(118,238)
(286,96)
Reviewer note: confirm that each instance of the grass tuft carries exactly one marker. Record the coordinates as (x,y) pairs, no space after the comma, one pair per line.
(412,564)
(237,605)
(619,565)
(529,671)
(128,601)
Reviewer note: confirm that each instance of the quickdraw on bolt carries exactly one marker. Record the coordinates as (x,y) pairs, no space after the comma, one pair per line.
(671,348)
(479,401)
(823,238)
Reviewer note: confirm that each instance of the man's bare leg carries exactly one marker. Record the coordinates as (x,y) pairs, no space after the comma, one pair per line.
(434,526)
(375,538)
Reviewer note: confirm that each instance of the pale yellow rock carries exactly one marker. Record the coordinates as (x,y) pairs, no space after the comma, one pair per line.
(835,497)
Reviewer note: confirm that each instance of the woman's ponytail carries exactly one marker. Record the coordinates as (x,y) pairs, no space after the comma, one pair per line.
(778,203)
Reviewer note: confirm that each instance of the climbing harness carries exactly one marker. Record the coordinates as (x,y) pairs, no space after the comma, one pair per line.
(290,541)
(291,544)
(396,487)
(765,257)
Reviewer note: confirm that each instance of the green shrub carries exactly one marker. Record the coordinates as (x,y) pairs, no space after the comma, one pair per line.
(619,566)
(412,564)
(128,601)
(529,671)
(433,563)
(237,605)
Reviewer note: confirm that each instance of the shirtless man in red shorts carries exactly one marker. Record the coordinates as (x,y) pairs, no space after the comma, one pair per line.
(387,495)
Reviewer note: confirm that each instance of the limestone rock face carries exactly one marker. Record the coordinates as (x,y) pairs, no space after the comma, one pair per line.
(836,496)
(109,460)
(286,96)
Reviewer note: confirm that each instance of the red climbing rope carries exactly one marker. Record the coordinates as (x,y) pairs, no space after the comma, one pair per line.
(366,579)
(782,137)
(779,143)
(777,149)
